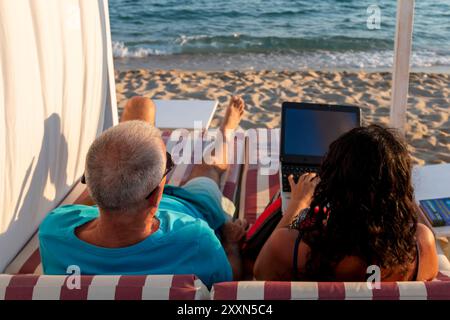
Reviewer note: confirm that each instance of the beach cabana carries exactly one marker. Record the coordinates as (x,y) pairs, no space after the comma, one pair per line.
(57,94)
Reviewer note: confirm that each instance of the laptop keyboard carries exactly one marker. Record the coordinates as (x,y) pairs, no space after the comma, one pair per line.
(296,171)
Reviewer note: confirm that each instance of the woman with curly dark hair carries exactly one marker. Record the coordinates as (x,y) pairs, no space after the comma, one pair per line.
(360,212)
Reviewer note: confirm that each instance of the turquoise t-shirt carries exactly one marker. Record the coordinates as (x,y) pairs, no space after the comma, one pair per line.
(183,244)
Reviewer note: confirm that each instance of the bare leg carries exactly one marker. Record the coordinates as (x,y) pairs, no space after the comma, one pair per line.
(229,123)
(232,231)
(139,108)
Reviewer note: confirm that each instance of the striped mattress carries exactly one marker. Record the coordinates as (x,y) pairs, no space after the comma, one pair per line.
(156,287)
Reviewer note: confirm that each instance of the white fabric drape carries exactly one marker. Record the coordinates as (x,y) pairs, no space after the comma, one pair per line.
(56,87)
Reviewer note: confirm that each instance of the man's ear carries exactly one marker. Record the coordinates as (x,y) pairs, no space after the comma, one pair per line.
(156,196)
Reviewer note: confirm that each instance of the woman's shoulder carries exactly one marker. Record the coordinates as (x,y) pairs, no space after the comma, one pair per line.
(424,235)
(428,259)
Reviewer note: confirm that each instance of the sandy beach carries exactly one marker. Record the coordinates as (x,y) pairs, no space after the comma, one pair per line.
(428,129)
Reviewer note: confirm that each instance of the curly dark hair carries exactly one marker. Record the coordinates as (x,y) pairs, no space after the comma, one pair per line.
(366,184)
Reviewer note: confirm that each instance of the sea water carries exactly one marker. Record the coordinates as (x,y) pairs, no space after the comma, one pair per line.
(279,34)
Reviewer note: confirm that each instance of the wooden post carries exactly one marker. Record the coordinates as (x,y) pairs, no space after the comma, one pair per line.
(402,57)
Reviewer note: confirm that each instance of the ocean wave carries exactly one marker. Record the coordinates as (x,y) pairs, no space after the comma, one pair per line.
(368,60)
(239,43)
(278,53)
(306,29)
(120,50)
(318,60)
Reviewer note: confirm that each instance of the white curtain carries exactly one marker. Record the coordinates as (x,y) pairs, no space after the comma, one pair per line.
(56,95)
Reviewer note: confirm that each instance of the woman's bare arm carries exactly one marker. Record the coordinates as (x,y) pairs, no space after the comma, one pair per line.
(275,261)
(272,262)
(429,265)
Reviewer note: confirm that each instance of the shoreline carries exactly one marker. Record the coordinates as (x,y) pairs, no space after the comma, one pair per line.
(194,64)
(425,70)
(428,126)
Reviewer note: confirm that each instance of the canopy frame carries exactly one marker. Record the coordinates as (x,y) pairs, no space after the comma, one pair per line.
(401,65)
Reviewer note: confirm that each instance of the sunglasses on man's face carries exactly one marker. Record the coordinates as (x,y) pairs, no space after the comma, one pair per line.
(169,166)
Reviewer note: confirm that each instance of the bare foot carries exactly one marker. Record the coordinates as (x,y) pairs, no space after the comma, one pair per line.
(230,122)
(233,115)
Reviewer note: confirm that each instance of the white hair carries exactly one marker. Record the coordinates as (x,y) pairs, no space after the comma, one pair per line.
(124,164)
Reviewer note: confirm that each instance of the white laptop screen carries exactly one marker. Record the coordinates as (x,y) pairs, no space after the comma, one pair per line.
(310,132)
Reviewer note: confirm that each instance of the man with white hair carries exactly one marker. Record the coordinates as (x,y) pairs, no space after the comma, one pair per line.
(136,226)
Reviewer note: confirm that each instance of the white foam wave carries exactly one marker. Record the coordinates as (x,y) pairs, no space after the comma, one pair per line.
(319,59)
(120,50)
(357,59)
(184,39)
(375,59)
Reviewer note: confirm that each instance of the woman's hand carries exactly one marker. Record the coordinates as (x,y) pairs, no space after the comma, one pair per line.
(302,192)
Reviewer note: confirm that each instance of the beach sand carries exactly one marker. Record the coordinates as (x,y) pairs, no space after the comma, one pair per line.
(428,128)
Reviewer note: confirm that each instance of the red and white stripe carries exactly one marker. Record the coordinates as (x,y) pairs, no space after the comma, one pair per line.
(260,290)
(230,182)
(28,259)
(157,287)
(257,188)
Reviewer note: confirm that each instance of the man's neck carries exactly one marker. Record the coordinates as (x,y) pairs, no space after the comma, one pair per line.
(118,230)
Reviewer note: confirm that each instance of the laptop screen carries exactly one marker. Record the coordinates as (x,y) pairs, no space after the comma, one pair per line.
(310,132)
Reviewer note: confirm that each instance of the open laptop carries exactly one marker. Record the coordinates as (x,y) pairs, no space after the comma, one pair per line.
(307,130)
